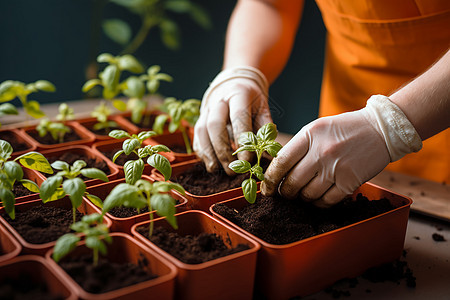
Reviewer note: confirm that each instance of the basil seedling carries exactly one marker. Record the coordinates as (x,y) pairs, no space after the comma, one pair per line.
(177,111)
(10,90)
(144,193)
(65,113)
(10,172)
(8,109)
(96,234)
(264,140)
(55,129)
(133,144)
(67,182)
(102,112)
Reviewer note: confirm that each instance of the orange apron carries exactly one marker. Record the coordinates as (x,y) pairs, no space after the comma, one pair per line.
(376,47)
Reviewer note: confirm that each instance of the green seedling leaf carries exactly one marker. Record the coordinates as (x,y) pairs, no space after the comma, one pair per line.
(110,77)
(119,134)
(8,200)
(119,104)
(60,165)
(247,138)
(145,135)
(117,30)
(78,165)
(135,87)
(133,170)
(161,164)
(258,171)
(5,149)
(129,63)
(130,145)
(30,185)
(13,170)
(64,245)
(118,153)
(33,109)
(160,122)
(173,126)
(251,148)
(249,188)
(8,109)
(58,194)
(159,148)
(45,86)
(105,57)
(272,148)
(90,84)
(240,166)
(120,195)
(35,161)
(165,207)
(96,200)
(93,242)
(268,132)
(49,186)
(75,188)
(94,174)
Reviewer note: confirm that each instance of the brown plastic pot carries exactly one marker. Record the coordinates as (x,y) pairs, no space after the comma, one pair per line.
(86,137)
(9,247)
(88,123)
(126,119)
(229,277)
(125,224)
(126,249)
(195,201)
(41,249)
(116,145)
(21,137)
(35,176)
(310,265)
(40,271)
(88,152)
(175,139)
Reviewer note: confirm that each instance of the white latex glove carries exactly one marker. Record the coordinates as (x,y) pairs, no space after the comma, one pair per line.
(332,156)
(237,96)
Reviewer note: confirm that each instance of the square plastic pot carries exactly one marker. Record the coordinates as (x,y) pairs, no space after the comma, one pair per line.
(9,247)
(88,123)
(88,152)
(40,271)
(32,175)
(41,249)
(86,137)
(125,224)
(195,201)
(229,277)
(126,249)
(310,265)
(21,137)
(116,145)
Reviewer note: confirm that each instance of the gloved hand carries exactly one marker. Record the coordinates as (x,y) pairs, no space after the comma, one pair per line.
(237,96)
(332,156)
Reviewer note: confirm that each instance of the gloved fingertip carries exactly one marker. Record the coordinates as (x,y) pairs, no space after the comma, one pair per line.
(267,189)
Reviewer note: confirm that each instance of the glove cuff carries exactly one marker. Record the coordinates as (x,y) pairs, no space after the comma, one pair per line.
(238,72)
(399,134)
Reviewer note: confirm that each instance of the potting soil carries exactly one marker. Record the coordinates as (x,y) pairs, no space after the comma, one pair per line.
(24,287)
(48,139)
(71,157)
(16,144)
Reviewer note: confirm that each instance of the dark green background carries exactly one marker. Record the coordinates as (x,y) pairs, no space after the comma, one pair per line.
(53,40)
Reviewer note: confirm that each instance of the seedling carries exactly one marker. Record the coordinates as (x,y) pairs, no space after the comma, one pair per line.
(144,193)
(65,113)
(10,172)
(178,111)
(55,129)
(96,234)
(102,112)
(67,182)
(109,79)
(152,81)
(8,109)
(133,144)
(264,140)
(10,90)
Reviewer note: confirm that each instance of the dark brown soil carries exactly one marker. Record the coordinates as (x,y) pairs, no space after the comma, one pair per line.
(126,212)
(42,224)
(191,249)
(122,159)
(198,181)
(106,276)
(48,139)
(71,157)
(24,287)
(177,148)
(16,144)
(19,190)
(281,221)
(103,131)
(438,237)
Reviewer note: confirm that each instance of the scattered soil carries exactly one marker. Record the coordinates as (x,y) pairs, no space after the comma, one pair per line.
(280,221)
(394,272)
(438,237)
(48,139)
(71,157)
(42,224)
(24,287)
(191,249)
(20,191)
(107,275)
(16,143)
(122,159)
(198,181)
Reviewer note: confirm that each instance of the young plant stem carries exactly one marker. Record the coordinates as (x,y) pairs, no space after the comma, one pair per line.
(150,227)
(95,257)
(147,24)
(186,140)
(74,215)
(147,118)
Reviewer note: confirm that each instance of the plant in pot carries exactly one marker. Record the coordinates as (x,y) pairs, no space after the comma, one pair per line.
(358,233)
(125,269)
(182,116)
